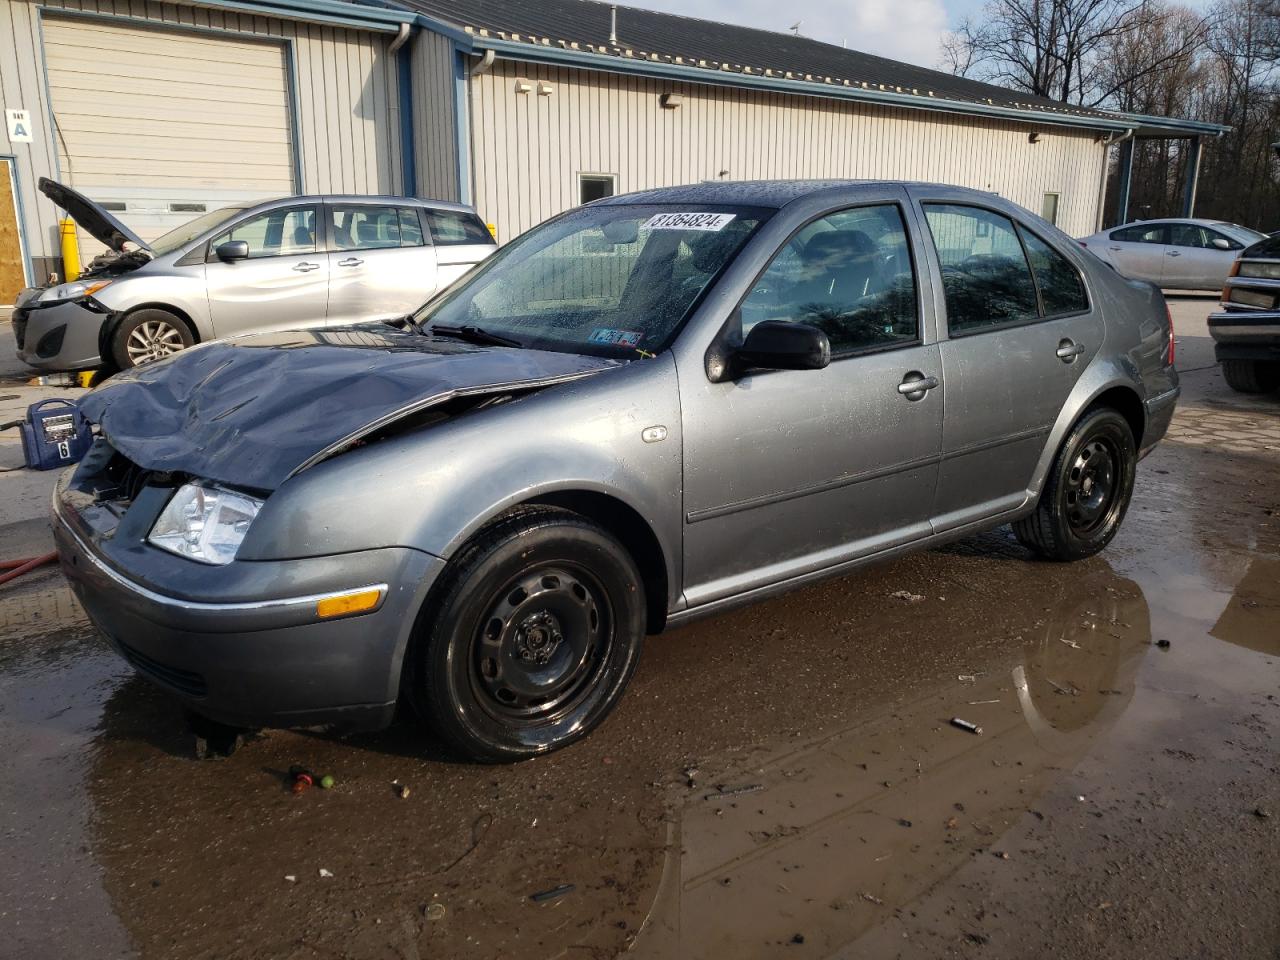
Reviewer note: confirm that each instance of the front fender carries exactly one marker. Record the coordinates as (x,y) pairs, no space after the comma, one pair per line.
(433,487)
(187,295)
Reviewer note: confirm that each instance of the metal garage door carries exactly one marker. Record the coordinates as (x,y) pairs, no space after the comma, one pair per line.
(153,119)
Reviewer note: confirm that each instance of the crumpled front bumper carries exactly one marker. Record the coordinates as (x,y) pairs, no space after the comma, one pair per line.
(60,337)
(243,644)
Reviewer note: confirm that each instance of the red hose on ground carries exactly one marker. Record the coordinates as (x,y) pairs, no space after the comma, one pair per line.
(17,568)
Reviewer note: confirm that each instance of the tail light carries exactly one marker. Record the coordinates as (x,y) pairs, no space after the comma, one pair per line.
(1172,343)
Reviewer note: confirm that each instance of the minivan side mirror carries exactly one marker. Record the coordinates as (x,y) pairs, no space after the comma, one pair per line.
(781,345)
(232,250)
(1220,243)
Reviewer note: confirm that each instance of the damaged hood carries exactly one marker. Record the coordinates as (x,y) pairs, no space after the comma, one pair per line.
(91,216)
(253,411)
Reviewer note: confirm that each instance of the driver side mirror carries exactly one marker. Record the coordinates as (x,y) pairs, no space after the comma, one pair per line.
(781,345)
(232,250)
(1220,243)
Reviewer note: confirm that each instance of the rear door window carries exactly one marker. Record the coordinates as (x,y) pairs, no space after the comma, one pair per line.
(1141,233)
(986,278)
(1061,286)
(455,228)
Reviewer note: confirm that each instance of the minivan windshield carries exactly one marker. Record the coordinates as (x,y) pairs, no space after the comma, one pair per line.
(616,280)
(179,237)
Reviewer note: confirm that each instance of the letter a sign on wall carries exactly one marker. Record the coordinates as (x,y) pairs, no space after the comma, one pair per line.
(19,123)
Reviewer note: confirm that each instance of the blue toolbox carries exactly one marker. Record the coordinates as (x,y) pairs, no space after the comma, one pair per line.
(54,434)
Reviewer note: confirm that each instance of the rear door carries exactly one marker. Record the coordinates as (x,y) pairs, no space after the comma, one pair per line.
(283,285)
(1019,331)
(380,262)
(461,241)
(1138,251)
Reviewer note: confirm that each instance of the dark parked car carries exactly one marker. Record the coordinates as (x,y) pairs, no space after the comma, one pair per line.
(651,408)
(1246,335)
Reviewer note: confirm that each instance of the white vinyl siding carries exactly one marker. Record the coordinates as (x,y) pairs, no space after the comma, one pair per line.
(140,107)
(527,149)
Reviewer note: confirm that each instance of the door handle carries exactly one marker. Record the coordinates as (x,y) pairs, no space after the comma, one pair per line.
(1116,249)
(350,262)
(915,385)
(1172,253)
(305,267)
(1068,350)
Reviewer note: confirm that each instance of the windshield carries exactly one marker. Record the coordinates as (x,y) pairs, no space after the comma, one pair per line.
(1244,234)
(614,280)
(179,237)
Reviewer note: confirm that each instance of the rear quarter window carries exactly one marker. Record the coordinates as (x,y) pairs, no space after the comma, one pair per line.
(451,228)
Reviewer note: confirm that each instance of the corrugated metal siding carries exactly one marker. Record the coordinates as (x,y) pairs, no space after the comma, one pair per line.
(344,87)
(435,140)
(527,150)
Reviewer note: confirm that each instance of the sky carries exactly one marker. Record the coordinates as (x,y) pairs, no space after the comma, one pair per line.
(907,30)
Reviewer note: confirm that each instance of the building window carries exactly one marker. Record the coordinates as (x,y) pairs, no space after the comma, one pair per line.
(1049,207)
(596,186)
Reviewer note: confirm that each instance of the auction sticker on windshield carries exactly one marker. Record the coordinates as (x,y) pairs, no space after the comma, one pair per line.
(690,221)
(622,338)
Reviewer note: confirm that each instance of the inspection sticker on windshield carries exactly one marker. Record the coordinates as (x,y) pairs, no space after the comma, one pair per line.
(711,222)
(621,338)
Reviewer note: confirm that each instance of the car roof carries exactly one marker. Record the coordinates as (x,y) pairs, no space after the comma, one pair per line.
(767,193)
(1198,221)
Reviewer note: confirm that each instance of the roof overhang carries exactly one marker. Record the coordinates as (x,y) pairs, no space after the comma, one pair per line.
(335,12)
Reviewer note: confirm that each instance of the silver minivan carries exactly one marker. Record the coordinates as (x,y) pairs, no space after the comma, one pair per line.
(273,265)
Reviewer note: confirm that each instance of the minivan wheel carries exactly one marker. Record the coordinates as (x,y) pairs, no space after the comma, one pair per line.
(1251,376)
(535,634)
(1087,491)
(147,335)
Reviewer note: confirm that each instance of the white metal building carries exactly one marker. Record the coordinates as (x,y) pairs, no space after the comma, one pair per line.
(522,107)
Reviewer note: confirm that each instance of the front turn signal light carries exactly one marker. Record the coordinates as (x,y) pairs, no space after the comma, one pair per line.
(347,603)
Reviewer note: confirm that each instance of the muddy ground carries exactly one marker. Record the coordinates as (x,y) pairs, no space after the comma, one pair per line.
(780,781)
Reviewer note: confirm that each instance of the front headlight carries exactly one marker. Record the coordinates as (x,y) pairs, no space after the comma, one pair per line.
(71,291)
(203,522)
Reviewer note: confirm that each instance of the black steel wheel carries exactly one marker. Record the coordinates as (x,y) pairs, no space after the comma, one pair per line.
(530,638)
(1087,491)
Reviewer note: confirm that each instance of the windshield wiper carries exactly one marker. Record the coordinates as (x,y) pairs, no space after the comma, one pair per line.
(473,334)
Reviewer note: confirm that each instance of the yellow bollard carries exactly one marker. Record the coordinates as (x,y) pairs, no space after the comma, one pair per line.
(70,250)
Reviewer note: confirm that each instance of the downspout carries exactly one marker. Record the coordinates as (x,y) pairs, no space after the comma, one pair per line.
(484,64)
(1126,169)
(404,87)
(1106,173)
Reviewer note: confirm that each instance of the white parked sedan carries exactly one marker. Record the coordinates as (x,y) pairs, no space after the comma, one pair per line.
(1174,254)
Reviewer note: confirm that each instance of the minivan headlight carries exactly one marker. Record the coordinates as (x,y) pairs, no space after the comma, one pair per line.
(71,291)
(204,522)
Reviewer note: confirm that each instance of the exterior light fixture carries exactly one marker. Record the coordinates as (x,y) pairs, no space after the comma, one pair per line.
(523,86)
(544,89)
(670,101)
(1033,137)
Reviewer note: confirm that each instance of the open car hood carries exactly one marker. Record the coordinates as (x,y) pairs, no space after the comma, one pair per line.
(253,411)
(91,216)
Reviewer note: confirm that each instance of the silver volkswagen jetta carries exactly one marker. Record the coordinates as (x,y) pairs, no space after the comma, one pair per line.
(648,409)
(271,265)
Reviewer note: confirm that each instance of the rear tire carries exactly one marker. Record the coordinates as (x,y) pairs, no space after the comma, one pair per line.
(535,631)
(1251,376)
(1087,492)
(148,335)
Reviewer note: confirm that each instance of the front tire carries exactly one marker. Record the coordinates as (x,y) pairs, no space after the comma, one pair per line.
(1087,491)
(147,335)
(536,631)
(1251,376)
